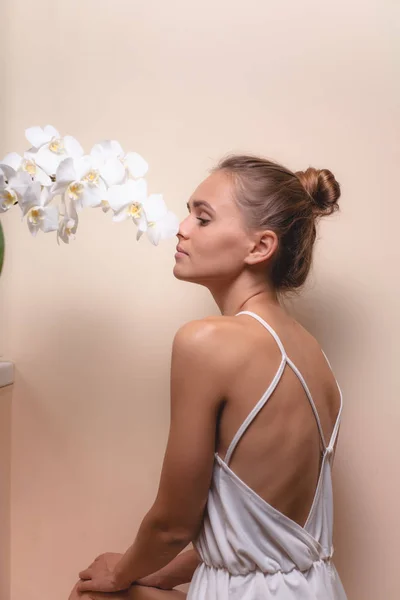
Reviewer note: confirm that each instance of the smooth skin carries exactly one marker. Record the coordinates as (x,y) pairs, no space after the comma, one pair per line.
(220,367)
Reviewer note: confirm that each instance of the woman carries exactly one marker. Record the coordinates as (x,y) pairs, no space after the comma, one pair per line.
(255,408)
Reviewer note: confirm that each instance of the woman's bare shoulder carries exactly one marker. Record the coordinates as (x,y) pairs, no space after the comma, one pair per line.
(225,339)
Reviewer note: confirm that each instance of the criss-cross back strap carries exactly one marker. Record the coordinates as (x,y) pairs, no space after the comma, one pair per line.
(268,393)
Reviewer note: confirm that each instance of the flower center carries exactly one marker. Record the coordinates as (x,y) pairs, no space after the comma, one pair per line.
(57,146)
(29,166)
(105,204)
(135,210)
(9,198)
(75,190)
(92,177)
(35,215)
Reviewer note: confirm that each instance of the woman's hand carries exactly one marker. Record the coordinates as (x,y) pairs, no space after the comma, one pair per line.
(100,576)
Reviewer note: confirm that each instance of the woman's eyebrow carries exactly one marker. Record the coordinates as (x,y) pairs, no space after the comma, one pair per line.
(197,203)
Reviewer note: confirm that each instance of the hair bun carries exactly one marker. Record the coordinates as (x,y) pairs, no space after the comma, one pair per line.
(323,189)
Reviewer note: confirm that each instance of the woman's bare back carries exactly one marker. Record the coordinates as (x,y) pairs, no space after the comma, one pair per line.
(279,455)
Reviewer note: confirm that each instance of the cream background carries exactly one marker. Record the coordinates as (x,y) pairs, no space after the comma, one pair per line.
(90,326)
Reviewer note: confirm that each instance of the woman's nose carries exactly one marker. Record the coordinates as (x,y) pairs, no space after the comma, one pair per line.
(183,228)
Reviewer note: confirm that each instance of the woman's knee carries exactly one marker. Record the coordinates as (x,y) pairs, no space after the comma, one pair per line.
(141,592)
(135,592)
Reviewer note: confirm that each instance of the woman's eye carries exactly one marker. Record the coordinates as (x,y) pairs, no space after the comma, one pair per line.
(203,222)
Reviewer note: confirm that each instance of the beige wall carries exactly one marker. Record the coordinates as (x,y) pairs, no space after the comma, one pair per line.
(90,326)
(5,490)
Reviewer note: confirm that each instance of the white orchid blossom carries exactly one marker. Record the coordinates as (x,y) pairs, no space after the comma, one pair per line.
(105,158)
(26,164)
(49,148)
(80,181)
(37,210)
(68,224)
(110,151)
(160,222)
(13,187)
(126,200)
(107,178)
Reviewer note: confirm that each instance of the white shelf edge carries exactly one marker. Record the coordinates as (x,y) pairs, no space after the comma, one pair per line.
(6,373)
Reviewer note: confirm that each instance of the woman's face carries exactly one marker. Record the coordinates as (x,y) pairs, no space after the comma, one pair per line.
(213,234)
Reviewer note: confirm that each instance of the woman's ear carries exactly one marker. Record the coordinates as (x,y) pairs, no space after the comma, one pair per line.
(264,245)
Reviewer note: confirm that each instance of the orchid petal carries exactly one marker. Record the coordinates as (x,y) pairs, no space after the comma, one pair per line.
(91,197)
(82,166)
(66,171)
(138,189)
(37,136)
(72,146)
(113,171)
(46,196)
(30,198)
(100,153)
(136,164)
(21,182)
(13,160)
(169,226)
(121,215)
(142,223)
(153,233)
(155,207)
(116,149)
(42,177)
(31,153)
(33,228)
(50,221)
(49,161)
(139,234)
(119,196)
(8,171)
(51,131)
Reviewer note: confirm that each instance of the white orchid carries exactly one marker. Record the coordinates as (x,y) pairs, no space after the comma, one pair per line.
(49,148)
(37,210)
(107,178)
(68,224)
(105,158)
(80,182)
(111,152)
(26,164)
(126,200)
(160,222)
(13,187)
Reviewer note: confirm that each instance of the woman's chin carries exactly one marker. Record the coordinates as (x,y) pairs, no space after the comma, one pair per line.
(179,273)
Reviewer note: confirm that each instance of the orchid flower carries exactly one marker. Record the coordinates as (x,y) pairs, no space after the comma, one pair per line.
(68,224)
(161,223)
(132,163)
(26,164)
(108,178)
(80,182)
(49,149)
(13,188)
(126,201)
(37,210)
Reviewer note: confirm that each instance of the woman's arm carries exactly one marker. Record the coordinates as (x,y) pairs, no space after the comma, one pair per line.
(180,570)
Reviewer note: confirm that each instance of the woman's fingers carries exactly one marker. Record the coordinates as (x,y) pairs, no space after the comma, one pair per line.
(85,574)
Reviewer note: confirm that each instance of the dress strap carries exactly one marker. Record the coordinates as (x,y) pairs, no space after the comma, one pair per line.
(267,394)
(337,424)
(267,326)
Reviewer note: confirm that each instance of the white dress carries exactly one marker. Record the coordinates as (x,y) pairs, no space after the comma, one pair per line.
(250,550)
